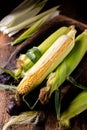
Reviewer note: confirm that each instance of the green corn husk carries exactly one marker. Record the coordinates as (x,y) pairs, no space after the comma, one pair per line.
(28,21)
(27,63)
(17,15)
(10,18)
(29,32)
(77,106)
(68,65)
(73,81)
(23,5)
(10,24)
(26,118)
(7,87)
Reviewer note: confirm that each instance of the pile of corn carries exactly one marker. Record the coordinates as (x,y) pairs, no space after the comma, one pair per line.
(54,60)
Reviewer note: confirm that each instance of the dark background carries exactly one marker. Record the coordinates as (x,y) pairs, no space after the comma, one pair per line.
(76,9)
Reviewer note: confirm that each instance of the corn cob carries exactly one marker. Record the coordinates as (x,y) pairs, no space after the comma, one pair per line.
(68,65)
(24,63)
(47,63)
(77,106)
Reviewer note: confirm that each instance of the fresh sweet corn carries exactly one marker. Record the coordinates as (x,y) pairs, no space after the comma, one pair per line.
(24,62)
(47,63)
(69,64)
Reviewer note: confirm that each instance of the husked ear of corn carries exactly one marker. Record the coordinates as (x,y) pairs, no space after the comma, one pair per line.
(47,63)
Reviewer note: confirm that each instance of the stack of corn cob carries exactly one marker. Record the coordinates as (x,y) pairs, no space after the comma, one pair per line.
(54,62)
